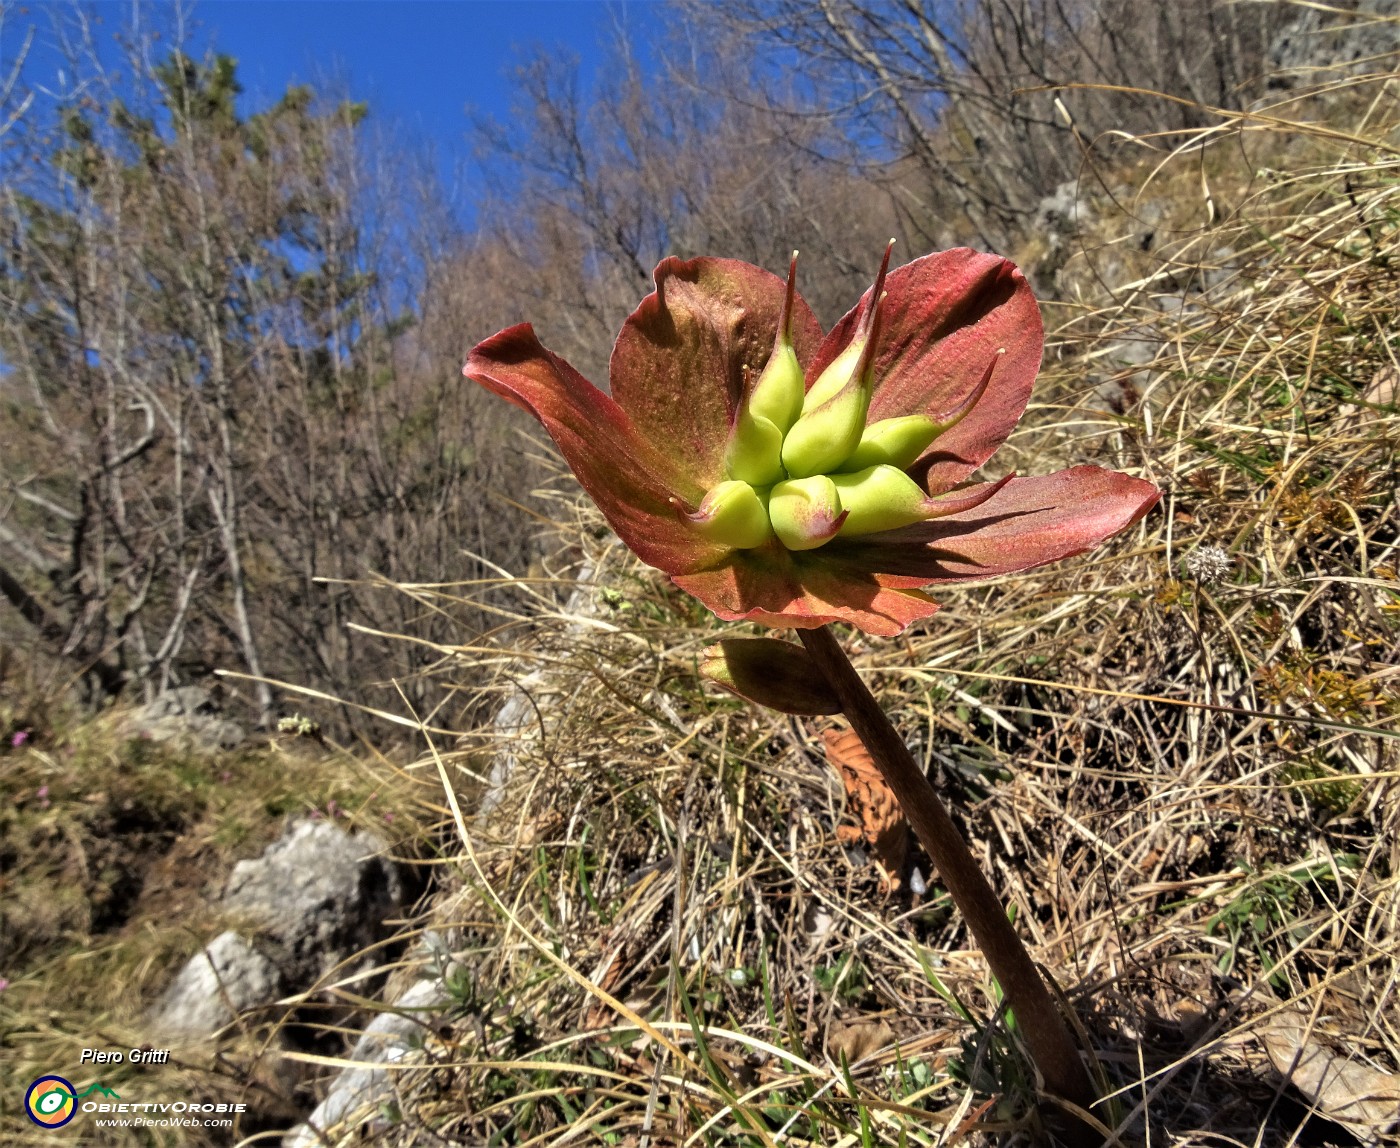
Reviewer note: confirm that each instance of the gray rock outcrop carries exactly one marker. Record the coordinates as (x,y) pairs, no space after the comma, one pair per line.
(1058,219)
(228,976)
(186,717)
(314,899)
(1328,36)
(384,1041)
(354,1094)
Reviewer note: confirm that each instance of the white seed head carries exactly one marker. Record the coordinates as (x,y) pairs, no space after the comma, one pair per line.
(1209,565)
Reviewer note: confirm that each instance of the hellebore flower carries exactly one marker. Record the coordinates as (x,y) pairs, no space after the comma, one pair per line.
(794,479)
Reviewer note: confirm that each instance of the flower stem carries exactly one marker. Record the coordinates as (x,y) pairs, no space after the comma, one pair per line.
(1041,1025)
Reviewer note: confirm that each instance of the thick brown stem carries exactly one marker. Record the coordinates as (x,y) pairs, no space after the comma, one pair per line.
(1043,1029)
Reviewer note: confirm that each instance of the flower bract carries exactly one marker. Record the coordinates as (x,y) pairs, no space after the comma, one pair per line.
(794,478)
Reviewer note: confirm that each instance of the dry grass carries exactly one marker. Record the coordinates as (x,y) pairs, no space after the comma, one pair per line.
(113,850)
(1179,766)
(1187,863)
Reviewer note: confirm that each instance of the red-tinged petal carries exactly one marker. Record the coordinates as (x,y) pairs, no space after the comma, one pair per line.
(631,482)
(679,365)
(775,587)
(1027,523)
(946,317)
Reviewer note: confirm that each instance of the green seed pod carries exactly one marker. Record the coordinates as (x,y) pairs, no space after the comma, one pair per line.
(879,498)
(733,514)
(822,439)
(839,371)
(777,396)
(893,442)
(836,376)
(805,512)
(755,451)
(947,422)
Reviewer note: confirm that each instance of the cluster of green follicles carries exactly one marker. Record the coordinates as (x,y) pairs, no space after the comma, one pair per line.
(804,466)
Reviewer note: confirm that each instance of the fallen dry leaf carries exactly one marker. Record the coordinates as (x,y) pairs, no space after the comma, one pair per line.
(1363,1098)
(1384,387)
(857,1038)
(1381,391)
(882,828)
(600,1014)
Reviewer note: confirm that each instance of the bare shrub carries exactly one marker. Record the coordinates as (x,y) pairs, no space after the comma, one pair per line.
(234,392)
(959,100)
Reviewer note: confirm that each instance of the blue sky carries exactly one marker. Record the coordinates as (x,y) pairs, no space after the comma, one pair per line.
(420,64)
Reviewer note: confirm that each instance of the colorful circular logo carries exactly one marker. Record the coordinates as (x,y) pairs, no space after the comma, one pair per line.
(50,1102)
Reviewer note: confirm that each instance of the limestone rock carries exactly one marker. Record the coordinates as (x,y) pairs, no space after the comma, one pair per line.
(1327,36)
(186,717)
(315,898)
(384,1041)
(226,977)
